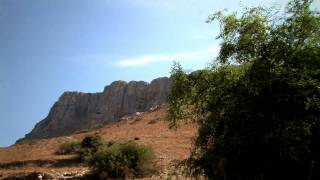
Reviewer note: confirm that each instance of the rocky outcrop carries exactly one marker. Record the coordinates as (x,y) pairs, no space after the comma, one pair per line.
(76,111)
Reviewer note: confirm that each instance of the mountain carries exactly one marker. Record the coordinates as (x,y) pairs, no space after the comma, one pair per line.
(31,158)
(77,111)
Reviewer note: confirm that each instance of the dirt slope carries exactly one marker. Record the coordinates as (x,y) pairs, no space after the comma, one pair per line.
(150,128)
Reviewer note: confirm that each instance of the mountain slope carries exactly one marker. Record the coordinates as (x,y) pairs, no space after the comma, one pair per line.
(150,128)
(76,111)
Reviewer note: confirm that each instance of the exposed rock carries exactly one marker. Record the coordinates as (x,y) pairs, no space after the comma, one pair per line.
(154,108)
(76,111)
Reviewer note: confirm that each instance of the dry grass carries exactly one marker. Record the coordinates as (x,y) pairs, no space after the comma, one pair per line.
(169,145)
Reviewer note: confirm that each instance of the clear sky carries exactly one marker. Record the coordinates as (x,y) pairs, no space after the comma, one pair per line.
(51,46)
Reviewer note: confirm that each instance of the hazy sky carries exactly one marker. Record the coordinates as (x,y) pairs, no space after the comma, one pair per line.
(51,46)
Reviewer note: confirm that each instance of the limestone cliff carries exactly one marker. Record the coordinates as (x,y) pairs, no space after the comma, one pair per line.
(76,111)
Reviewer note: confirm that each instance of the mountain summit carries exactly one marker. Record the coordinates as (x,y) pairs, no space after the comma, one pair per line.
(76,111)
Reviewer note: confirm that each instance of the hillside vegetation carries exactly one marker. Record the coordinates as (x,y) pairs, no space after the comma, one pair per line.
(254,113)
(149,129)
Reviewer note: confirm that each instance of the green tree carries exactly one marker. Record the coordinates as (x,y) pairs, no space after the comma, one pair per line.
(258,109)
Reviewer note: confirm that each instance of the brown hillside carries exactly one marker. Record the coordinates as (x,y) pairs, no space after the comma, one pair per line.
(150,128)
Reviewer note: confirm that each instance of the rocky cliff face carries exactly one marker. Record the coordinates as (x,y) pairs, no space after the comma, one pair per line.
(76,111)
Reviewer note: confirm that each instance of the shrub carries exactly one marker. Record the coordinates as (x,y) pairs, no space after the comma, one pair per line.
(92,142)
(69,147)
(112,159)
(89,145)
(120,160)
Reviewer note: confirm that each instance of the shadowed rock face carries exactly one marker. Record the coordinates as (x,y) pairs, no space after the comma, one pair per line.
(76,111)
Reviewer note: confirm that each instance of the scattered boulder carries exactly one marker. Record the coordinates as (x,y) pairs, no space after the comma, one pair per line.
(152,109)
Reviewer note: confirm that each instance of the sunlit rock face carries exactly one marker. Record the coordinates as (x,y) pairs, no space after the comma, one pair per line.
(76,111)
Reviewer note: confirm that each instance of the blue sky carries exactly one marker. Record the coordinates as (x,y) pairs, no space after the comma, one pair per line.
(51,46)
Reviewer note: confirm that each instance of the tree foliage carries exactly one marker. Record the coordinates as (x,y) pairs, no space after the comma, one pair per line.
(258,109)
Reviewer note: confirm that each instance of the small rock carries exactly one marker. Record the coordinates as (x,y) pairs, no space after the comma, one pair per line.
(69,174)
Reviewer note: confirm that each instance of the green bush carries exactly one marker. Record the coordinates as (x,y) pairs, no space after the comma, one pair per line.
(92,142)
(69,147)
(120,160)
(112,159)
(89,145)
